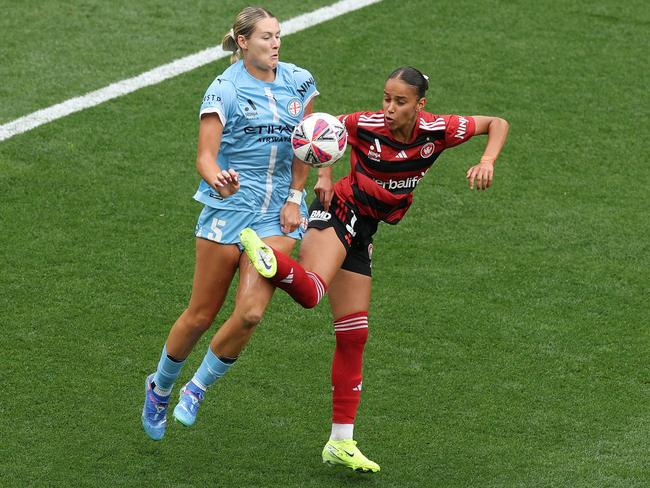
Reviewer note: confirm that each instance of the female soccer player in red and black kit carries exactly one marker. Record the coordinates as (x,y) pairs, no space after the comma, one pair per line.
(392,149)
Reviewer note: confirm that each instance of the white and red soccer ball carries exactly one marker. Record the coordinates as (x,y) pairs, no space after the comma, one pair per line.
(319,140)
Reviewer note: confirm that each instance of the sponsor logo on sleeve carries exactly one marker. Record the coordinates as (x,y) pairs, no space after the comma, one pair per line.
(211,98)
(302,90)
(462,128)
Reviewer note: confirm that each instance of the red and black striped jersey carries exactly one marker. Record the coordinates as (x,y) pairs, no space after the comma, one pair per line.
(384,172)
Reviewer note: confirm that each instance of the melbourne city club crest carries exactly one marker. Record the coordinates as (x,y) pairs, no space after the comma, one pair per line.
(294,107)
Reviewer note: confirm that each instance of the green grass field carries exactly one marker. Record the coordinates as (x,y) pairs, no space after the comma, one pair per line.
(509,329)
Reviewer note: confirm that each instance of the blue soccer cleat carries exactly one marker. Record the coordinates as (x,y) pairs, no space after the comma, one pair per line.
(154,412)
(188,404)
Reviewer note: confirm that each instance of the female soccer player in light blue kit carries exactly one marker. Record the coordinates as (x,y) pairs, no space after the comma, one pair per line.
(250,179)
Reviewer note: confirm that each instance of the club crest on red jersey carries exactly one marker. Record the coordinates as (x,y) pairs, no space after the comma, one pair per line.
(427,150)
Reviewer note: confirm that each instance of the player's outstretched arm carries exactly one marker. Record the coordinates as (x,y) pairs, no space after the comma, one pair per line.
(496,129)
(225,182)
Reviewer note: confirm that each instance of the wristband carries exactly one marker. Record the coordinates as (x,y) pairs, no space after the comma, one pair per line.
(294,196)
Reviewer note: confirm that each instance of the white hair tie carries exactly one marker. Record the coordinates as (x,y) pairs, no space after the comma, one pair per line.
(425,77)
(232,33)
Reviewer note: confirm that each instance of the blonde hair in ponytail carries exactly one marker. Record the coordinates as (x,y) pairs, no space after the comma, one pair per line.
(244,25)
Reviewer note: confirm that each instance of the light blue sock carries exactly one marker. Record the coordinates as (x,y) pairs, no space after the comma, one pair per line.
(212,368)
(167,372)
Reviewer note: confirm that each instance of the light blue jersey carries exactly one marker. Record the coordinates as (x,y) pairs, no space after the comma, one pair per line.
(258,118)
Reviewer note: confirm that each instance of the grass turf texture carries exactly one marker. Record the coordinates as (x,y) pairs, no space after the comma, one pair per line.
(509,335)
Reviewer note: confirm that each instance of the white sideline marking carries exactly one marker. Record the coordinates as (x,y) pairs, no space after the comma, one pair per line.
(166,71)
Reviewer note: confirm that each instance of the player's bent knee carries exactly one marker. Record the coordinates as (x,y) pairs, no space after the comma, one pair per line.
(251,318)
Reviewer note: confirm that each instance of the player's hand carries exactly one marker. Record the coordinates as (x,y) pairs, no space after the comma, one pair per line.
(481,174)
(289,217)
(324,189)
(226,182)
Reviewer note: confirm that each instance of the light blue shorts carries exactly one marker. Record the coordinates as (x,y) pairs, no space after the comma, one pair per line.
(224,226)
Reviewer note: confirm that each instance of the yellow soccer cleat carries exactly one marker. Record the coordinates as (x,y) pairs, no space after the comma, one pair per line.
(346,453)
(260,255)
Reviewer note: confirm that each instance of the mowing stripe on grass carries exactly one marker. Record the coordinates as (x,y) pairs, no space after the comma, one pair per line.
(166,71)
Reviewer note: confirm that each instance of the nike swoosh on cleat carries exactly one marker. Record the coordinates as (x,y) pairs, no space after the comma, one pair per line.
(263,259)
(336,452)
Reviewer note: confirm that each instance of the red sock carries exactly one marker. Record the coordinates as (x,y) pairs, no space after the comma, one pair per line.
(351,336)
(303,286)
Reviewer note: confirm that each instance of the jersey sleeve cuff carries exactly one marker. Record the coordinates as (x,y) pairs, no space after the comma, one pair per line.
(213,110)
(310,97)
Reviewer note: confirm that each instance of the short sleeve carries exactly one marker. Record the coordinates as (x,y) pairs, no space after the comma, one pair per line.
(219,98)
(305,84)
(459,129)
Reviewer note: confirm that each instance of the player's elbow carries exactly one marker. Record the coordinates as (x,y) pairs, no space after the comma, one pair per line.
(498,125)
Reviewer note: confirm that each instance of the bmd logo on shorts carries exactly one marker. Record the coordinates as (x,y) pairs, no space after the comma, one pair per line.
(323,215)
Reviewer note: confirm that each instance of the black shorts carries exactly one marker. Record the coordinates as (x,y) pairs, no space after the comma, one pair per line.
(354,231)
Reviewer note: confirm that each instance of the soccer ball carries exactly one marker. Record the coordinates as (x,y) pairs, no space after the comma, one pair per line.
(319,140)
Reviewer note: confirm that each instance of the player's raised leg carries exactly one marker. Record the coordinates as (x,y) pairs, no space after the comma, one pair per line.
(349,299)
(321,255)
